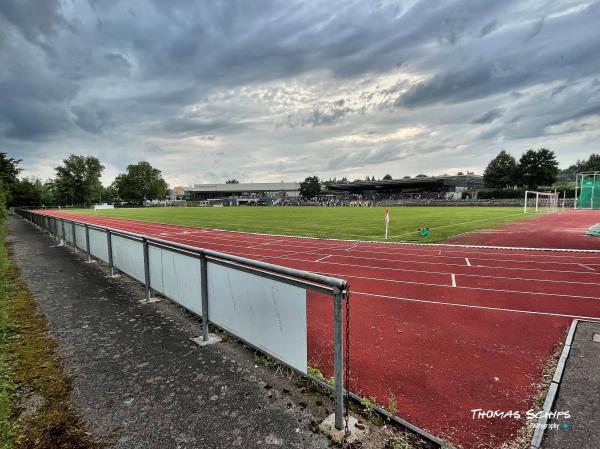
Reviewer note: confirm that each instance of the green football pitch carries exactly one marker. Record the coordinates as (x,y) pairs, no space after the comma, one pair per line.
(356,223)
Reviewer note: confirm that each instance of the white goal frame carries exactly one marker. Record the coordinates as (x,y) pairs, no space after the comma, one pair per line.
(552,200)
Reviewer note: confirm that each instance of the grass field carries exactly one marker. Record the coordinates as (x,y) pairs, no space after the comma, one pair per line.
(323,222)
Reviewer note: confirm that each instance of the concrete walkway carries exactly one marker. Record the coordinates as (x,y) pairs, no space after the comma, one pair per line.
(579,394)
(138,380)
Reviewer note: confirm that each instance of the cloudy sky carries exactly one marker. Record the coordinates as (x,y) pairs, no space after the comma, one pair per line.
(278,90)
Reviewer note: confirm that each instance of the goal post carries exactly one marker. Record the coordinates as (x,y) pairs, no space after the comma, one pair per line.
(546,202)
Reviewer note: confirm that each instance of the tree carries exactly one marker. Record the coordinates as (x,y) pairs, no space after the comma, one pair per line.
(26,192)
(387,178)
(501,172)
(108,194)
(9,170)
(592,164)
(421,176)
(310,187)
(232,181)
(538,168)
(78,180)
(141,182)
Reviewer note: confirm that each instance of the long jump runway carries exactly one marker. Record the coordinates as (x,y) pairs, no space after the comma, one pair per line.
(435,331)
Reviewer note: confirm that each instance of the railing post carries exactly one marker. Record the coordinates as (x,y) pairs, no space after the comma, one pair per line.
(87,243)
(146,268)
(110,252)
(62,231)
(338,360)
(204,291)
(74,236)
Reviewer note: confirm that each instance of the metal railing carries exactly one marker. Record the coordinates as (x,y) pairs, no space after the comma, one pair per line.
(336,288)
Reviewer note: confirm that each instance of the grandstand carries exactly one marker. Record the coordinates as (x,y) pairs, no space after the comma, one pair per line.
(236,194)
(420,189)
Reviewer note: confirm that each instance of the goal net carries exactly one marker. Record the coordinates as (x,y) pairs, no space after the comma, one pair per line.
(587,190)
(541,202)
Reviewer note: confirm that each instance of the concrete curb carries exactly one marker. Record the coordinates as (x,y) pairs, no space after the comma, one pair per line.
(536,440)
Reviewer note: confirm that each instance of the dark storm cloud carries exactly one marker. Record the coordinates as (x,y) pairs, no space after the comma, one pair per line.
(190,126)
(488,117)
(120,73)
(549,51)
(36,20)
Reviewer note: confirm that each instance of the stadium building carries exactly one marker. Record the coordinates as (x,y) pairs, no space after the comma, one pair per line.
(430,187)
(242,193)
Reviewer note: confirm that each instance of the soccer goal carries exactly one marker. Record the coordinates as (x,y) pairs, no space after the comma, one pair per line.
(541,202)
(587,190)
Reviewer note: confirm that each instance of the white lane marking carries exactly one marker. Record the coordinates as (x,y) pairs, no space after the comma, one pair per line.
(453,280)
(468,262)
(471,306)
(255,246)
(485,289)
(322,258)
(585,266)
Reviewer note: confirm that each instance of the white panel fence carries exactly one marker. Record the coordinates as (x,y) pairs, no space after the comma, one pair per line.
(260,303)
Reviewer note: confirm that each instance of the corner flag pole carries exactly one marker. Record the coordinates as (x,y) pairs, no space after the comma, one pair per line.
(387,222)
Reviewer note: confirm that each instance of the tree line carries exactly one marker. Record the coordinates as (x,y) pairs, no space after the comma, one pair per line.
(535,168)
(77,182)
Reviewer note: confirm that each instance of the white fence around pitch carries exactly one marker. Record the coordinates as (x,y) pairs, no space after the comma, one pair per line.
(260,303)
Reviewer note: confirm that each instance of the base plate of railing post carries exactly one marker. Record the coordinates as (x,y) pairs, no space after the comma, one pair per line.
(149,300)
(212,338)
(356,429)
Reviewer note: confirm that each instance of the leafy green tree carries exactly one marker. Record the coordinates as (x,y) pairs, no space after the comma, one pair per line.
(141,182)
(501,172)
(592,164)
(26,192)
(9,170)
(78,180)
(387,178)
(232,181)
(538,168)
(108,194)
(310,187)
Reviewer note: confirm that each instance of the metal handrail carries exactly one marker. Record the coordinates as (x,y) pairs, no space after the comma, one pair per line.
(285,272)
(337,288)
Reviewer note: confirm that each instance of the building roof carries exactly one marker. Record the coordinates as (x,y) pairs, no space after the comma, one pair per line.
(246,187)
(418,182)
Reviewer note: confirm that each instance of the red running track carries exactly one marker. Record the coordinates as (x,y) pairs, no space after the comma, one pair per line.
(562,230)
(441,329)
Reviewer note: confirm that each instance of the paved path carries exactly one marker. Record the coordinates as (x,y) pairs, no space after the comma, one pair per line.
(138,380)
(579,394)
